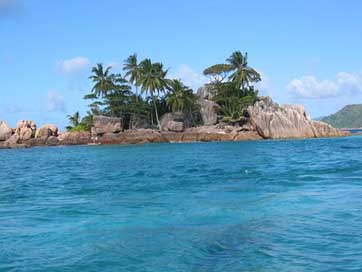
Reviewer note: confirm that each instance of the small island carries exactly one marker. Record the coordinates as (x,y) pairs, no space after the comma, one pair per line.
(145,106)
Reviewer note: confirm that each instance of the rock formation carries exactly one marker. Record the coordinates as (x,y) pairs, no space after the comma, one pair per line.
(46,131)
(5,131)
(264,120)
(272,121)
(208,108)
(25,129)
(174,121)
(105,124)
(74,138)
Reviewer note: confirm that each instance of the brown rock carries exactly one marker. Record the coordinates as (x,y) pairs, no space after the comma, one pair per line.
(247,135)
(208,111)
(25,133)
(105,124)
(322,129)
(142,136)
(289,121)
(172,137)
(52,140)
(174,121)
(46,131)
(110,138)
(5,131)
(74,138)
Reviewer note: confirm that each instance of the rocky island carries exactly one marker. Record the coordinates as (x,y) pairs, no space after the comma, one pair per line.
(227,108)
(264,120)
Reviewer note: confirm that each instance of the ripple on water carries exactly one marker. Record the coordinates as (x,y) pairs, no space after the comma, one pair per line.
(248,206)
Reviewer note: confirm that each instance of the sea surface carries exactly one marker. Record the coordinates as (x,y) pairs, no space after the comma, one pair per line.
(247,206)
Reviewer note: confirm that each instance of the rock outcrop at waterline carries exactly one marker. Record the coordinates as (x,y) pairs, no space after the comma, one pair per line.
(5,131)
(264,120)
(272,121)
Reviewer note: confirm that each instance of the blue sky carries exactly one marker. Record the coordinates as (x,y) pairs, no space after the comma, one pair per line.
(309,52)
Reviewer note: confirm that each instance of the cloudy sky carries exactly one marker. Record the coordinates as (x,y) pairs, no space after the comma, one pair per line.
(309,52)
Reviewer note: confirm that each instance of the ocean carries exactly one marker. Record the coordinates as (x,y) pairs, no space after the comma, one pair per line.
(293,205)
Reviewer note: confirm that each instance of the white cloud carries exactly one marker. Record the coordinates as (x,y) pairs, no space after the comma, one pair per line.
(73,65)
(189,77)
(309,87)
(55,102)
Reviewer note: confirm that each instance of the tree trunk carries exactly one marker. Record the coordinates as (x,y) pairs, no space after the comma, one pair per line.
(156,112)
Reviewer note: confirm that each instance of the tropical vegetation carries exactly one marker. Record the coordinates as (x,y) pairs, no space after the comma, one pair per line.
(233,84)
(349,116)
(145,92)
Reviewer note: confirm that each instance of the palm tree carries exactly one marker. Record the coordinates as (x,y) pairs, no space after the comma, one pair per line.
(152,81)
(180,96)
(242,74)
(132,71)
(74,120)
(116,101)
(103,80)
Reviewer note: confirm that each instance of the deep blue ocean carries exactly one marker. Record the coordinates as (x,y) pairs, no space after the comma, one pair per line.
(246,206)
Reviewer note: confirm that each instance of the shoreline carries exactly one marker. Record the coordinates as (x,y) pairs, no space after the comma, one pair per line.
(147,136)
(264,120)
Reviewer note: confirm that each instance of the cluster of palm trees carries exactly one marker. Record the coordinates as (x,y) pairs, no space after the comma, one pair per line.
(113,95)
(145,93)
(233,83)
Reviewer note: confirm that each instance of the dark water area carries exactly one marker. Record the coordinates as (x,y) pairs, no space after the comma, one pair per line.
(354,130)
(246,206)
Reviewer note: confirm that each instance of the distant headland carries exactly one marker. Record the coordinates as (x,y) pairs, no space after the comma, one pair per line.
(145,106)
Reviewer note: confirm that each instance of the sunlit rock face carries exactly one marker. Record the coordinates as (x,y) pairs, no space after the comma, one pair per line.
(208,108)
(25,129)
(5,131)
(272,121)
(105,124)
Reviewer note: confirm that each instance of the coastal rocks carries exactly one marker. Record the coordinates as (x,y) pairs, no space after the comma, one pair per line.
(208,111)
(25,134)
(74,138)
(272,121)
(173,121)
(52,141)
(142,136)
(208,108)
(206,92)
(14,142)
(5,131)
(132,136)
(25,129)
(105,124)
(211,133)
(46,131)
(322,129)
(174,126)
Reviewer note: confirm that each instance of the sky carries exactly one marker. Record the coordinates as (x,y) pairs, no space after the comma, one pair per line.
(308,52)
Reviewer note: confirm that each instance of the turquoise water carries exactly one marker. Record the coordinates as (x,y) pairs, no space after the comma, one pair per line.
(248,206)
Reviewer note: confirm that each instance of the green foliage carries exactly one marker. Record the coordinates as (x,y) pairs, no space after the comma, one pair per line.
(242,75)
(117,96)
(103,81)
(180,97)
(218,72)
(78,128)
(77,124)
(233,102)
(236,93)
(153,82)
(348,117)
